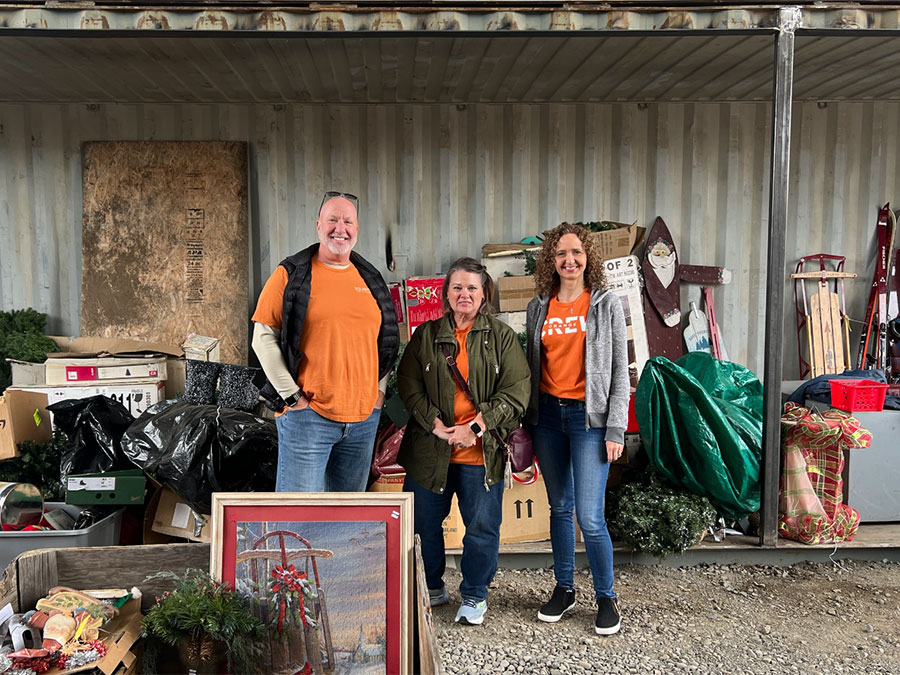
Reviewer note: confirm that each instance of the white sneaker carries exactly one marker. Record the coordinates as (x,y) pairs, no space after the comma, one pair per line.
(471,612)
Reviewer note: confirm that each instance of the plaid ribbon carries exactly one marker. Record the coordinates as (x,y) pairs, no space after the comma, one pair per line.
(810,504)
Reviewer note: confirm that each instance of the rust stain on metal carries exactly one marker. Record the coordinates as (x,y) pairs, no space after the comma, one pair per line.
(94,21)
(273,21)
(618,21)
(330,21)
(447,24)
(387,21)
(562,20)
(153,21)
(678,20)
(211,21)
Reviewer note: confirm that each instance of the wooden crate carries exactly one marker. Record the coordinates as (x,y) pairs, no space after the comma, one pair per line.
(28,578)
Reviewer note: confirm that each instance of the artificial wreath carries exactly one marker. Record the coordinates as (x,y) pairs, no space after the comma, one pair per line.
(652,516)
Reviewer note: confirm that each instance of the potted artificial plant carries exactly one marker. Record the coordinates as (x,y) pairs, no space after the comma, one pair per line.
(207,622)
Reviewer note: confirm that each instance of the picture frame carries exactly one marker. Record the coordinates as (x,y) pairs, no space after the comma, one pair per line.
(330,574)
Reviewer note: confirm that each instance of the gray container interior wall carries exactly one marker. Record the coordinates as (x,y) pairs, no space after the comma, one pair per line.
(445,179)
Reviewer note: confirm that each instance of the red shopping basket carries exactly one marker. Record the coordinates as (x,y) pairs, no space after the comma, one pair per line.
(857,395)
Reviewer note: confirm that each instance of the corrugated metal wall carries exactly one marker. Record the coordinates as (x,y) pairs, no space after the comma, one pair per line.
(444,179)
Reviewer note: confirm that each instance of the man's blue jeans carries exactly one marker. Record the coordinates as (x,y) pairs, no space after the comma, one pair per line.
(481,511)
(314,451)
(575,468)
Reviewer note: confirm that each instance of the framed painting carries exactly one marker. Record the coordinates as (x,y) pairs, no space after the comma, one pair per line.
(330,574)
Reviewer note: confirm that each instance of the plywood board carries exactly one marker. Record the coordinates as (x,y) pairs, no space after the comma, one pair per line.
(164,246)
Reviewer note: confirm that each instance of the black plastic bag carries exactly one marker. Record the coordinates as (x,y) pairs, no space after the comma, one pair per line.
(94,427)
(200,449)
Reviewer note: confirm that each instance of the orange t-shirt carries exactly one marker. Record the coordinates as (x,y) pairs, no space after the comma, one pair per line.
(463,410)
(339,371)
(563,339)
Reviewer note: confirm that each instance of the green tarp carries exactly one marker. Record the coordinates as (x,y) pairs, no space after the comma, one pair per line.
(701,425)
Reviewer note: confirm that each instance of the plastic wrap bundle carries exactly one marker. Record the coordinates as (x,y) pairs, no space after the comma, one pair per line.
(200,449)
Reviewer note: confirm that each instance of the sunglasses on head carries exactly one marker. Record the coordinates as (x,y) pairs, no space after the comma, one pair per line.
(331,194)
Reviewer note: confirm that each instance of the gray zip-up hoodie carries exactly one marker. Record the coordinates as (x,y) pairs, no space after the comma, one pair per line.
(607,385)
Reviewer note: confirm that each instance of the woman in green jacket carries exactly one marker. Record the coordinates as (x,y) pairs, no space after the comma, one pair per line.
(445,449)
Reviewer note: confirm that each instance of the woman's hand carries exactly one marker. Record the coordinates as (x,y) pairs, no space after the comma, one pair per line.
(462,437)
(614,450)
(441,431)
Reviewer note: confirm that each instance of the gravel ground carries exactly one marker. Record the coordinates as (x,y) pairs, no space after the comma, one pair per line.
(805,618)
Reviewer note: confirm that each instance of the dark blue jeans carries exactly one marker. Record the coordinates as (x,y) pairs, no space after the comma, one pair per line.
(575,468)
(481,511)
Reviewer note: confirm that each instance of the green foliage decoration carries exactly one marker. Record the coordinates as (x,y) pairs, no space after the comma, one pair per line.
(22,338)
(38,464)
(530,262)
(654,517)
(199,606)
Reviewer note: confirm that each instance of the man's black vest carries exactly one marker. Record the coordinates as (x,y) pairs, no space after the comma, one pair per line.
(296,302)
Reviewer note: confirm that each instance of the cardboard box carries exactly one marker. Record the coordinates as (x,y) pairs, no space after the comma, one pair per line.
(619,241)
(396,290)
(90,346)
(112,487)
(503,259)
(23,417)
(515,293)
(118,635)
(65,370)
(423,300)
(391,483)
(26,374)
(136,396)
(526,516)
(175,518)
(94,346)
(201,348)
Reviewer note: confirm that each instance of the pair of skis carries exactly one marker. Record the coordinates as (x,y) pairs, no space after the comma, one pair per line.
(874,336)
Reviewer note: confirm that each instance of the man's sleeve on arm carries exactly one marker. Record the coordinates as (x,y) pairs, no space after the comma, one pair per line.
(266,345)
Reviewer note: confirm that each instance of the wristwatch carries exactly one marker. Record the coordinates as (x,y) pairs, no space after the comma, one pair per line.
(293,399)
(476,429)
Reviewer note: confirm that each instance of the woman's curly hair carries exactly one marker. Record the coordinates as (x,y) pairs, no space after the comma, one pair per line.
(546,278)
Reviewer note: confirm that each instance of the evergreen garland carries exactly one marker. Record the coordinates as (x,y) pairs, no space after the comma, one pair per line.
(38,464)
(651,516)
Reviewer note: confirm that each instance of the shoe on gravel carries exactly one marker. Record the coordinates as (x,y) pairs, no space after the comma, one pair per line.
(438,596)
(562,600)
(608,618)
(471,612)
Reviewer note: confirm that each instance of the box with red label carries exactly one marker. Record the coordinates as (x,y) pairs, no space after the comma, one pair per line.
(423,300)
(61,370)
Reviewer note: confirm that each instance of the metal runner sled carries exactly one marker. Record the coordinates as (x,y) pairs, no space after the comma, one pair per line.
(823,316)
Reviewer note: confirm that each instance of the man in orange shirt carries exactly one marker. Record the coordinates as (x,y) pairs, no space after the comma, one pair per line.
(326,335)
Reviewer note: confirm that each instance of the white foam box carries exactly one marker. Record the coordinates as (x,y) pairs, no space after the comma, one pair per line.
(515,320)
(136,396)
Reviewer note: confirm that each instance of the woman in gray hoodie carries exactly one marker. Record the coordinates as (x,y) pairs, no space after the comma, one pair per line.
(578,411)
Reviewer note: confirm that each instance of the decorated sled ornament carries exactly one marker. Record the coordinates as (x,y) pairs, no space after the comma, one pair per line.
(696,335)
(663,275)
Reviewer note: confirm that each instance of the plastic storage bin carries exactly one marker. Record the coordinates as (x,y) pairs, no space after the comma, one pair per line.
(104,532)
(857,395)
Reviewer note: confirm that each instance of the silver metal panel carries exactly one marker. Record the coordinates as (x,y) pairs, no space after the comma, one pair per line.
(445,179)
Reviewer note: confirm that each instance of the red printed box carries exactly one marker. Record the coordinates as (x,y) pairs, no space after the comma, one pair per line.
(423,300)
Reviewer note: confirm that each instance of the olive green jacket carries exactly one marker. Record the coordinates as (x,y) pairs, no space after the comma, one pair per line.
(499,380)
